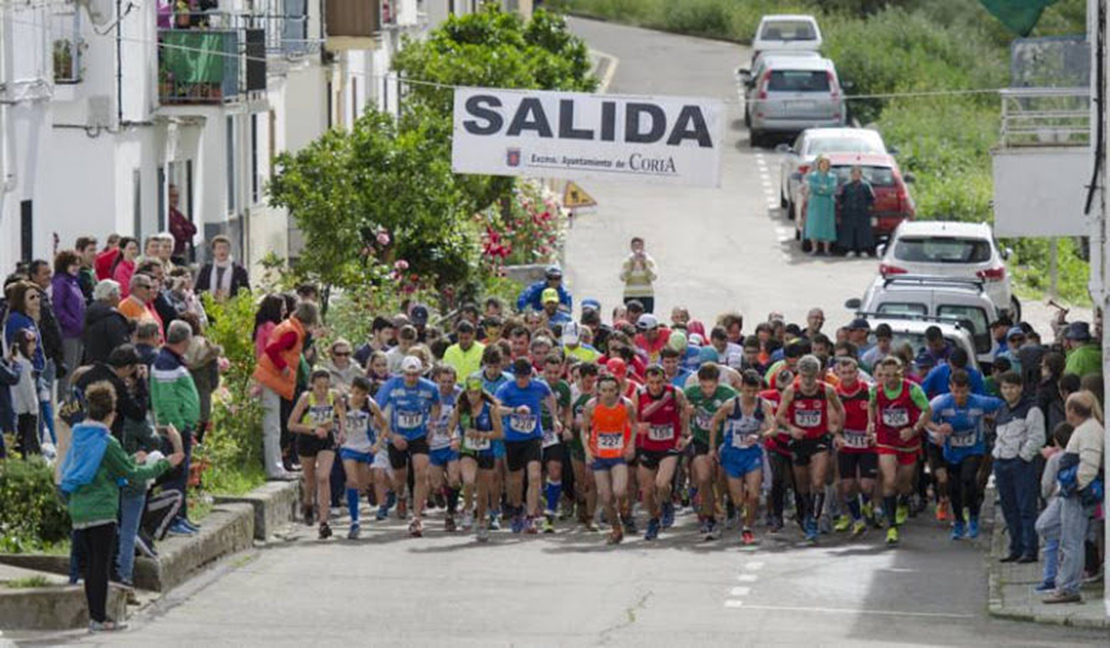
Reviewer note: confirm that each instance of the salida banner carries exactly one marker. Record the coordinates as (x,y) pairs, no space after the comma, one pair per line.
(673,140)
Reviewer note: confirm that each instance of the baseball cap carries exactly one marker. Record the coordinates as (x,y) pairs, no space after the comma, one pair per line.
(570,333)
(859,324)
(591,304)
(419,314)
(411,364)
(1015,331)
(553,271)
(549,295)
(522,367)
(697,339)
(647,322)
(617,367)
(473,383)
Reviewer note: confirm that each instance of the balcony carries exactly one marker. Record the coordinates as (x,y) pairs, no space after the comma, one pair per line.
(353,24)
(1045,117)
(199,66)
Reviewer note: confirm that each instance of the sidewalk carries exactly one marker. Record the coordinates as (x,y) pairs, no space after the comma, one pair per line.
(1011,594)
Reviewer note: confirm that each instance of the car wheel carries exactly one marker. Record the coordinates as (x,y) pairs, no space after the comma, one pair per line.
(1015,308)
(757,139)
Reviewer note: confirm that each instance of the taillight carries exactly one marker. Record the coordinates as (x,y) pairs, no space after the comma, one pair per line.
(763,83)
(803,169)
(992,274)
(886,270)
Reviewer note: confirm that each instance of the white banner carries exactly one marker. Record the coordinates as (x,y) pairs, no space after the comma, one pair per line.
(673,140)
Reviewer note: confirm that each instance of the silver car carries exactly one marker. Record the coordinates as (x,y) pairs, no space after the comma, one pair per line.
(788,93)
(799,157)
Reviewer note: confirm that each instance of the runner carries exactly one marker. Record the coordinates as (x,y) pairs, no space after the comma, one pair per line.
(413,402)
(810,410)
(443,445)
(662,433)
(609,419)
(957,423)
(673,370)
(478,418)
(855,454)
(523,399)
(703,402)
(746,419)
(362,442)
(897,414)
(585,388)
(317,420)
(554,446)
(492,378)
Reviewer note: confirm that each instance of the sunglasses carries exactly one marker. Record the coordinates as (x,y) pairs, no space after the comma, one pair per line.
(341,354)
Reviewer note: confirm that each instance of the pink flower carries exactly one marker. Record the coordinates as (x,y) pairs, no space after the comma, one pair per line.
(383,238)
(401,265)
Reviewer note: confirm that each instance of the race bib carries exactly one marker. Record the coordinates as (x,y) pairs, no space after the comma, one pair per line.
(743,441)
(962,439)
(660,432)
(523,423)
(441,438)
(856,440)
(477,445)
(703,420)
(322,415)
(896,417)
(550,438)
(807,418)
(409,420)
(610,445)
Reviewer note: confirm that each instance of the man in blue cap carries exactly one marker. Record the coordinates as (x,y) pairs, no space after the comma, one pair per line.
(532,296)
(1015,337)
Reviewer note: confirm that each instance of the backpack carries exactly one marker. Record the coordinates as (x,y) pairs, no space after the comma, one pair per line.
(1068,479)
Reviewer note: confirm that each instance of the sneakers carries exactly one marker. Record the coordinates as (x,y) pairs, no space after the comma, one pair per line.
(858,528)
(958,531)
(517,525)
(747,538)
(354,532)
(1046,587)
(892,536)
(653,526)
(530,526)
(703,526)
(711,532)
(1063,597)
(811,530)
(402,508)
(468,521)
(416,528)
(842,524)
(449,524)
(868,511)
(616,535)
(942,511)
(591,526)
(824,525)
(629,523)
(106,625)
(973,528)
(482,535)
(549,523)
(668,515)
(308,512)
(495,521)
(325,531)
(902,514)
(383,513)
(178,528)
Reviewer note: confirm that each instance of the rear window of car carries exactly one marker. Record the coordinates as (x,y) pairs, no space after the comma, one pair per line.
(788,30)
(977,316)
(878,176)
(943,250)
(845,145)
(798,81)
(903,308)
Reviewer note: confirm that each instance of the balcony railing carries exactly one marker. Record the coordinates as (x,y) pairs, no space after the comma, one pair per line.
(1039,117)
(199,66)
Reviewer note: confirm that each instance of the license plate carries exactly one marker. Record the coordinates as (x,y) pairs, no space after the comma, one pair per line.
(801,105)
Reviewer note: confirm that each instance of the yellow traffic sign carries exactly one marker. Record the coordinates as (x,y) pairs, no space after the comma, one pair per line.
(575,197)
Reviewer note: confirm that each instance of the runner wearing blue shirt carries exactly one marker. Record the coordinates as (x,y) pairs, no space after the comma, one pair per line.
(675,374)
(522,400)
(957,423)
(412,402)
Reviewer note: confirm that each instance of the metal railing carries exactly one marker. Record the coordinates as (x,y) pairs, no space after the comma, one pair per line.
(286,31)
(1034,117)
(199,66)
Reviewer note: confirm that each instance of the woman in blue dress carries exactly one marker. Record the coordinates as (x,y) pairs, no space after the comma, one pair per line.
(820,223)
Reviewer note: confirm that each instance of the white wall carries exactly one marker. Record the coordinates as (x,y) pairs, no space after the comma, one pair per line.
(1040,191)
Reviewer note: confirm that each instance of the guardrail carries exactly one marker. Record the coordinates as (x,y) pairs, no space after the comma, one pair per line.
(1033,117)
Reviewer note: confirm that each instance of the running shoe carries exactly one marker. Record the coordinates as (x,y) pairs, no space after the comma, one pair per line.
(616,535)
(179,529)
(354,532)
(325,531)
(468,521)
(107,625)
(973,528)
(193,526)
(842,524)
(942,511)
(530,526)
(449,524)
(383,513)
(517,523)
(1046,587)
(703,526)
(747,538)
(811,530)
(591,526)
(868,511)
(309,514)
(958,530)
(482,534)
(711,532)
(402,509)
(668,515)
(824,525)
(583,514)
(629,523)
(902,513)
(892,536)
(495,521)
(652,532)
(858,527)
(416,528)
(549,523)
(391,500)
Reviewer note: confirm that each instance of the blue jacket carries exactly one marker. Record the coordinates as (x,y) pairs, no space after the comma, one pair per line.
(936,382)
(18,321)
(531,296)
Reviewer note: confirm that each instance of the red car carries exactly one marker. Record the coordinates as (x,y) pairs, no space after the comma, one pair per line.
(893,203)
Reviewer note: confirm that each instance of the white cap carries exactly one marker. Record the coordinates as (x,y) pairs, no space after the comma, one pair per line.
(570,333)
(412,364)
(647,322)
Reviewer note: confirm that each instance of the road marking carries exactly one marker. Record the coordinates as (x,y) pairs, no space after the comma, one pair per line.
(787,608)
(754,565)
(730,603)
(740,591)
(901,570)
(747,578)
(603,86)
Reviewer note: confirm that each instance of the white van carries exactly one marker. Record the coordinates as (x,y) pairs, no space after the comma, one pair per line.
(786,33)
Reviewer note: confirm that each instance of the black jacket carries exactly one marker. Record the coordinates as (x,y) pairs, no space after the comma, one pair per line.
(52,336)
(128,405)
(105,329)
(206,279)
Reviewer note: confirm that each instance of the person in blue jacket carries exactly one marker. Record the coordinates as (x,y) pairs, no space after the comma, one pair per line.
(936,381)
(532,296)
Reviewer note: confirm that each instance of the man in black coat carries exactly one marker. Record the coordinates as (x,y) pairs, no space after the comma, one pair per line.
(105,327)
(222,277)
(131,403)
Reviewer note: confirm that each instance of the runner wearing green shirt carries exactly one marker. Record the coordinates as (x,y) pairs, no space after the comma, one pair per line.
(704,401)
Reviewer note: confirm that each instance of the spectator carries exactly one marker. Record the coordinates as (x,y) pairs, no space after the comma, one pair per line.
(106,258)
(10,374)
(1019,429)
(25,394)
(91,472)
(855,199)
(165,250)
(148,337)
(381,334)
(276,371)
(341,367)
(465,356)
(182,297)
(105,326)
(1083,353)
(999,329)
(1084,453)
(1049,399)
(162,305)
(859,330)
(139,305)
(530,297)
(884,346)
(123,365)
(405,339)
(638,272)
(24,309)
(819,226)
(204,358)
(181,228)
(49,331)
(69,309)
(1015,338)
(270,313)
(174,400)
(124,265)
(222,277)
(86,252)
(936,350)
(1048,522)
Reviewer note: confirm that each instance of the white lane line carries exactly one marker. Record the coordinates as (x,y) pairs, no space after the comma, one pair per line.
(754,565)
(747,578)
(730,603)
(787,608)
(740,591)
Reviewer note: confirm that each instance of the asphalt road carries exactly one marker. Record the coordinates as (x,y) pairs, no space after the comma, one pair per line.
(717,249)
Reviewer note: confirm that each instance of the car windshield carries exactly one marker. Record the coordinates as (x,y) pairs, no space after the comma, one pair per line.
(798,81)
(878,176)
(943,250)
(789,30)
(819,145)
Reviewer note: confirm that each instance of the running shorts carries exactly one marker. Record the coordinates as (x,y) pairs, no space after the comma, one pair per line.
(865,464)
(518,454)
(398,459)
(737,462)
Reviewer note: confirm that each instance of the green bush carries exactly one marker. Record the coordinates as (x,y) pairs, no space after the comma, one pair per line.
(33,515)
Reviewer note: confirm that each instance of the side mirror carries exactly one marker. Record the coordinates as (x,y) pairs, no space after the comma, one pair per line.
(853,304)
(909,178)
(784,148)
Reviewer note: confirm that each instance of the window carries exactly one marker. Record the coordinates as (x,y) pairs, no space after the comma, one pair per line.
(820,145)
(354,99)
(943,250)
(798,81)
(903,308)
(788,30)
(878,176)
(26,230)
(231,184)
(978,320)
(254,158)
(331,121)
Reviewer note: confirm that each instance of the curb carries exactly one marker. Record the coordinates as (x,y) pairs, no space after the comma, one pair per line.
(54,608)
(274,503)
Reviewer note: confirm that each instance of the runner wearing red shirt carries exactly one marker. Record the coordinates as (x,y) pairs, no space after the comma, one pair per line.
(855,453)
(662,431)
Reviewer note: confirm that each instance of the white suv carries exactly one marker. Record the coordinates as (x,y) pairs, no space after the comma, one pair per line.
(952,249)
(786,33)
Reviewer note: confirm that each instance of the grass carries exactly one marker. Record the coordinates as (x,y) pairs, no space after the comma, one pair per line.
(28,582)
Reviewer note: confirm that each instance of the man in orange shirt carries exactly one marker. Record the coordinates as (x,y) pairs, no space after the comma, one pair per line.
(139,305)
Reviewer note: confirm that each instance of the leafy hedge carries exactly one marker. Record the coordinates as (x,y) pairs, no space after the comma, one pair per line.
(32,513)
